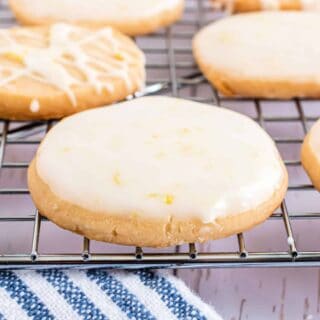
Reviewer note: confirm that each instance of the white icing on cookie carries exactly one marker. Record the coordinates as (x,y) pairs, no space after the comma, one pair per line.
(34,106)
(263,46)
(96,10)
(161,157)
(49,63)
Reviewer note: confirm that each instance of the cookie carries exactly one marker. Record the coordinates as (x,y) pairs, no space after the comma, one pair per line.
(54,71)
(263,54)
(130,17)
(310,154)
(156,172)
(258,5)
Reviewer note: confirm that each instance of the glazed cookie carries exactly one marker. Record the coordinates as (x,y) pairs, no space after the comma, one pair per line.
(258,5)
(310,154)
(156,172)
(264,54)
(131,17)
(51,72)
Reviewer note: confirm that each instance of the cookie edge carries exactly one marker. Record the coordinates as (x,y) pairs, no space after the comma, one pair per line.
(310,161)
(231,85)
(143,232)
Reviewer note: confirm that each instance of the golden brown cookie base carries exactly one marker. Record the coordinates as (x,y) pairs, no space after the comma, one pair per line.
(310,160)
(240,6)
(55,104)
(232,86)
(131,229)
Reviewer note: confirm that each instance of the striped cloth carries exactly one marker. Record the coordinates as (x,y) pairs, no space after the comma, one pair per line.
(98,294)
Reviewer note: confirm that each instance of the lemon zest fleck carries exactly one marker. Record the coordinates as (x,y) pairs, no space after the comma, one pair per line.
(117,178)
(13,56)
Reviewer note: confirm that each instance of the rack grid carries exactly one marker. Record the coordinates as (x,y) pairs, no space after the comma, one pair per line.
(172,71)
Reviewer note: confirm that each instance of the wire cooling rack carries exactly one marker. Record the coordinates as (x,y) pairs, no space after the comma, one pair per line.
(172,71)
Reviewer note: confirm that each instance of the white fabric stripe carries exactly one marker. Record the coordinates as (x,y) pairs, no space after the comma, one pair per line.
(9,308)
(192,299)
(96,295)
(48,295)
(145,295)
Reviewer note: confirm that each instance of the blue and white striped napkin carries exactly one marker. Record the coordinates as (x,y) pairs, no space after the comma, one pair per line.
(98,294)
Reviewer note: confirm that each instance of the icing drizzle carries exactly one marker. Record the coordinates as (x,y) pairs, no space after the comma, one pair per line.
(53,62)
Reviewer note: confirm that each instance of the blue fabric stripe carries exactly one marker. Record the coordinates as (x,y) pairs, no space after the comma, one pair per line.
(2,316)
(28,301)
(124,299)
(170,296)
(73,295)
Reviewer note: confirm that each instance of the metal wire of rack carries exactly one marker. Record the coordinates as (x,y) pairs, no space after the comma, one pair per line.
(171,70)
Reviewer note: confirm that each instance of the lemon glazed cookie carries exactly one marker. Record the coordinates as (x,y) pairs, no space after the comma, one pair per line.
(264,54)
(53,71)
(258,5)
(131,17)
(310,154)
(156,172)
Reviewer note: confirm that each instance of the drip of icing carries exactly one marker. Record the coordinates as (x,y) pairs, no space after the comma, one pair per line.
(230,6)
(34,106)
(290,241)
(49,64)
(52,72)
(270,4)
